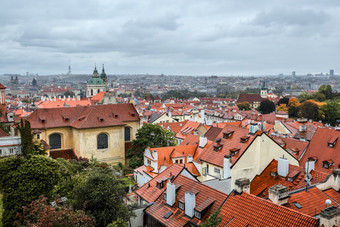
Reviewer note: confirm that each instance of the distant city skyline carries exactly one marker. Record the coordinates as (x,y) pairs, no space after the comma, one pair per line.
(205,38)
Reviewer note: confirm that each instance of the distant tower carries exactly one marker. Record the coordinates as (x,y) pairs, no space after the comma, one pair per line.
(331,72)
(103,75)
(16,81)
(293,74)
(69,67)
(34,82)
(264,91)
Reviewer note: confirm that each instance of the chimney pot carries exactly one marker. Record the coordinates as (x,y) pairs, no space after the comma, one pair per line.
(242,185)
(190,203)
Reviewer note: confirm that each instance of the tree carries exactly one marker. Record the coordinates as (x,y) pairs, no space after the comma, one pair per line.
(40,213)
(101,195)
(283,100)
(213,221)
(293,107)
(266,106)
(282,107)
(309,110)
(38,148)
(304,96)
(243,106)
(23,180)
(145,95)
(69,93)
(331,112)
(149,136)
(26,137)
(326,90)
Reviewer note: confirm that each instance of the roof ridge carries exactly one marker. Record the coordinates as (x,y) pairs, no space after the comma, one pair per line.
(283,207)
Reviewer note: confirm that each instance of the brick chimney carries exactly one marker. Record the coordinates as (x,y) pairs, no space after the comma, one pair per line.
(278,194)
(242,185)
(190,203)
(330,216)
(170,193)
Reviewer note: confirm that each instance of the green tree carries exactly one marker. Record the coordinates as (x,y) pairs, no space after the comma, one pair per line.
(283,100)
(23,180)
(149,136)
(326,90)
(213,220)
(331,112)
(243,106)
(266,106)
(26,137)
(101,196)
(145,95)
(304,96)
(38,148)
(118,223)
(39,214)
(319,97)
(69,93)
(309,110)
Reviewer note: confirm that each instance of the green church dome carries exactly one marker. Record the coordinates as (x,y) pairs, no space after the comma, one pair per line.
(95,80)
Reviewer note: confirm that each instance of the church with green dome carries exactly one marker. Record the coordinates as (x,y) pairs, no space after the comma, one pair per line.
(97,83)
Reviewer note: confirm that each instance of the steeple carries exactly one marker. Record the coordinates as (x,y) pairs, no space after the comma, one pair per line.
(95,71)
(103,74)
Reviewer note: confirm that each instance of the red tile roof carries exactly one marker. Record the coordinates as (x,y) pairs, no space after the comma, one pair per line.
(318,147)
(188,128)
(204,196)
(234,141)
(174,126)
(311,201)
(293,146)
(249,98)
(149,192)
(3,133)
(83,116)
(333,194)
(2,86)
(248,210)
(261,183)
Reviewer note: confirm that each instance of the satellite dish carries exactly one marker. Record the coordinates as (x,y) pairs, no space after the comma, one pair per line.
(328,202)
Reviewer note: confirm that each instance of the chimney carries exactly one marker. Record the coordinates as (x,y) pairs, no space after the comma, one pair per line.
(68,98)
(330,216)
(242,185)
(170,115)
(78,97)
(283,167)
(170,193)
(202,116)
(226,166)
(189,159)
(336,181)
(55,98)
(190,203)
(202,141)
(278,194)
(303,128)
(309,166)
(253,128)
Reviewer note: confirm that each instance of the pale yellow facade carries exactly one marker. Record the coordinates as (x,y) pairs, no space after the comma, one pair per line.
(84,141)
(164,119)
(279,127)
(252,162)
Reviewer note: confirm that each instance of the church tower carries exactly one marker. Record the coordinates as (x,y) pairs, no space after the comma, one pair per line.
(2,95)
(264,90)
(96,83)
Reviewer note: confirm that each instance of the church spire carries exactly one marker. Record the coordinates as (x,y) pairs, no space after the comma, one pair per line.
(95,71)
(103,74)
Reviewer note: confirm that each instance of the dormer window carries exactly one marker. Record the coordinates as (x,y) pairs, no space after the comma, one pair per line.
(273,172)
(244,139)
(198,214)
(327,164)
(332,142)
(234,151)
(217,147)
(227,134)
(181,205)
(160,184)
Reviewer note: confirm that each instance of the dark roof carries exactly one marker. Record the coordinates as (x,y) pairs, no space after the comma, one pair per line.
(250,98)
(212,133)
(3,133)
(65,154)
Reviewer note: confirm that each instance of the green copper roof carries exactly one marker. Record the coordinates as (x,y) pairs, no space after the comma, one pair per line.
(95,80)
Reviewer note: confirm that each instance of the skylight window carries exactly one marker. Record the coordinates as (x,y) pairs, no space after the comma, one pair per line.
(298,205)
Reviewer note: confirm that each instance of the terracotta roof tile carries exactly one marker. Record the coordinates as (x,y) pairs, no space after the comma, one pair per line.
(149,192)
(261,183)
(319,148)
(178,218)
(65,154)
(248,210)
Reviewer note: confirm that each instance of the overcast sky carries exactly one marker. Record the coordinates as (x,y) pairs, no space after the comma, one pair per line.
(183,37)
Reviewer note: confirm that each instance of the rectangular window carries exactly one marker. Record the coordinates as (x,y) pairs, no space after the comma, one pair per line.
(0,152)
(11,150)
(181,205)
(38,136)
(217,170)
(149,162)
(197,214)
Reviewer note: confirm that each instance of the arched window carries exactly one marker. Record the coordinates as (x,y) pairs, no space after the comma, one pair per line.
(127,134)
(102,141)
(98,91)
(91,92)
(55,141)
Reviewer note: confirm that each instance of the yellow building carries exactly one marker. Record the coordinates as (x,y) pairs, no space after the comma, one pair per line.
(102,131)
